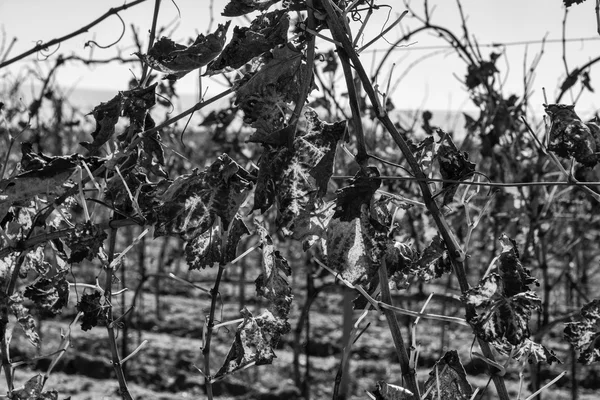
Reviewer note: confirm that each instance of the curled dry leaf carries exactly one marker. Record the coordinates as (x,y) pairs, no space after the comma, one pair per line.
(24,318)
(351,242)
(85,241)
(264,33)
(254,341)
(133,104)
(191,204)
(584,334)
(387,391)
(272,283)
(297,179)
(454,165)
(93,309)
(205,250)
(503,302)
(177,60)
(448,379)
(571,137)
(50,295)
(535,353)
(235,8)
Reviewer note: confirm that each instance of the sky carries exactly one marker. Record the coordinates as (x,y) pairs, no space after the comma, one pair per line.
(430,73)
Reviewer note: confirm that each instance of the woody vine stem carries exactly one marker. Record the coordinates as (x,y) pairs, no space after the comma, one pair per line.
(456,253)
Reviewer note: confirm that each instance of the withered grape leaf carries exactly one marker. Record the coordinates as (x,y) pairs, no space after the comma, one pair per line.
(94,312)
(106,116)
(177,60)
(448,379)
(264,33)
(298,178)
(236,8)
(24,318)
(271,284)
(360,191)
(269,84)
(32,389)
(454,165)
(349,246)
(24,187)
(569,3)
(387,391)
(503,302)
(584,334)
(501,319)
(133,104)
(254,342)
(515,278)
(570,136)
(535,353)
(190,206)
(351,238)
(85,240)
(49,294)
(311,225)
(205,250)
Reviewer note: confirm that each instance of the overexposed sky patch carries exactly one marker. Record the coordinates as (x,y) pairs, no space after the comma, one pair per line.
(430,74)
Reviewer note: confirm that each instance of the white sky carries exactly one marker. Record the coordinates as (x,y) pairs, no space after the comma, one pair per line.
(432,83)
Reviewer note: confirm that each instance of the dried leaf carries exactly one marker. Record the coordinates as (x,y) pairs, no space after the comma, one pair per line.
(94,312)
(349,247)
(535,353)
(272,81)
(23,188)
(584,334)
(361,189)
(254,342)
(205,250)
(190,206)
(177,60)
(311,225)
(569,3)
(32,390)
(297,179)
(85,241)
(264,33)
(387,391)
(407,265)
(271,284)
(448,379)
(454,165)
(235,8)
(133,104)
(504,301)
(570,137)
(24,318)
(49,294)
(106,116)
(352,241)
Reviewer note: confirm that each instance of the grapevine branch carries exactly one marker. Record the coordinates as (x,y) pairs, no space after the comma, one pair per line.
(81,30)
(346,53)
(145,75)
(210,323)
(116,359)
(456,253)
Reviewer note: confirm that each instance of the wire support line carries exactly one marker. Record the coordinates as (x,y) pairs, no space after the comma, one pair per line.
(488,184)
(489,45)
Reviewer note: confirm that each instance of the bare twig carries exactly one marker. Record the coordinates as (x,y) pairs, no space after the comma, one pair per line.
(408,374)
(145,75)
(81,30)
